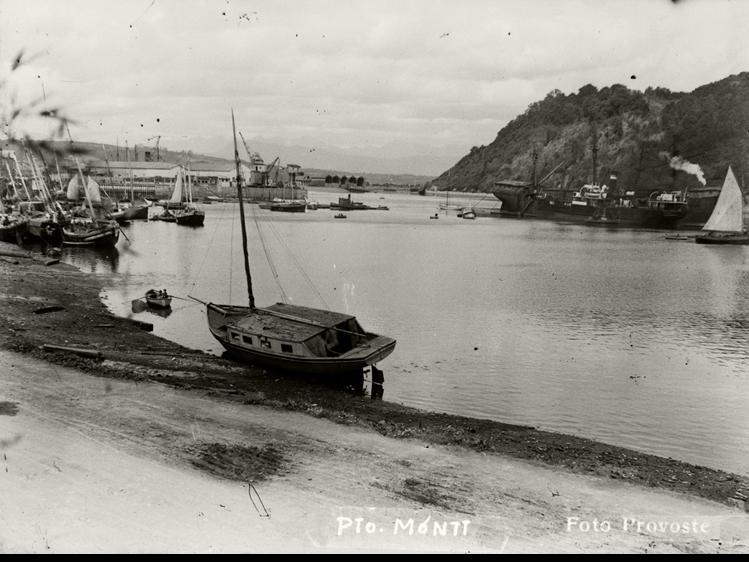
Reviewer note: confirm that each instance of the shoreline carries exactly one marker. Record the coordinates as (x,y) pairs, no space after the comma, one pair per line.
(131,354)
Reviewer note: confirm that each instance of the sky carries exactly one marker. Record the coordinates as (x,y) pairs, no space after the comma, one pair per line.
(417,81)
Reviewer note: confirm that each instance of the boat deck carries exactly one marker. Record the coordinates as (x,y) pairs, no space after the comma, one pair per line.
(284,321)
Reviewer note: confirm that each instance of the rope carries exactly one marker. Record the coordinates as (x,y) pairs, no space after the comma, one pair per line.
(210,245)
(264,513)
(272,265)
(298,265)
(231,251)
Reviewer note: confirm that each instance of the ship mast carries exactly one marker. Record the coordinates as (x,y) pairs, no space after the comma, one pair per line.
(241,218)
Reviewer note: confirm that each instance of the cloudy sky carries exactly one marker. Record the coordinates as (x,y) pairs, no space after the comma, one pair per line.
(403,78)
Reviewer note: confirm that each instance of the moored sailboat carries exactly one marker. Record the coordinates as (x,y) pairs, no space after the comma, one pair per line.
(189,215)
(90,225)
(289,337)
(726,223)
(174,202)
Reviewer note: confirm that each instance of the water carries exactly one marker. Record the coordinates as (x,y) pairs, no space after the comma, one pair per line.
(621,336)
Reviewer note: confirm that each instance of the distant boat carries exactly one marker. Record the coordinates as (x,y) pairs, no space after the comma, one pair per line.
(726,223)
(135,212)
(288,206)
(174,203)
(189,215)
(339,216)
(467,213)
(289,337)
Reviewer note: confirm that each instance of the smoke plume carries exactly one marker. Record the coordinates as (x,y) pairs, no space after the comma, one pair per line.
(678,163)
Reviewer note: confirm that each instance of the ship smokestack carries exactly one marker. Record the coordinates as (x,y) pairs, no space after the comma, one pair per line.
(613,183)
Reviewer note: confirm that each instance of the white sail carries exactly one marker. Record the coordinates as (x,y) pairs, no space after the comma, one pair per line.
(727,215)
(94,195)
(74,190)
(177,193)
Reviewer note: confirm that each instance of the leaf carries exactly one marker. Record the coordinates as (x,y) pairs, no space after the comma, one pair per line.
(18,61)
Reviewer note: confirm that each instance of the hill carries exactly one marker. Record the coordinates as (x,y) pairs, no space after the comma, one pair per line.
(636,135)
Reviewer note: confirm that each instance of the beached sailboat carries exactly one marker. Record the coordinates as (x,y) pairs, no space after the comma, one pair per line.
(12,225)
(289,337)
(40,216)
(726,223)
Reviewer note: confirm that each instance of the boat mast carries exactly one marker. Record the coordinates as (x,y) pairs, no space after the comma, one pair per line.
(189,182)
(12,181)
(132,188)
(241,218)
(20,175)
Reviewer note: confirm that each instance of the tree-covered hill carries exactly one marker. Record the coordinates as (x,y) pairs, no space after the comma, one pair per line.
(635,134)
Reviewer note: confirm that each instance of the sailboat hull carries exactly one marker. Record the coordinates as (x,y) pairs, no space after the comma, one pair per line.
(90,235)
(726,223)
(137,212)
(225,323)
(190,218)
(729,238)
(288,207)
(44,229)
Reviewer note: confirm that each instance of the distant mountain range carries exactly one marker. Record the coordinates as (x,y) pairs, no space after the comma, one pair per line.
(656,139)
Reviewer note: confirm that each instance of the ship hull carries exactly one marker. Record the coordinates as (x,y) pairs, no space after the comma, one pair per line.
(519,203)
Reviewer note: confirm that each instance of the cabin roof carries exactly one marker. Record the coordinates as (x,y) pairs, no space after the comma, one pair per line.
(298,323)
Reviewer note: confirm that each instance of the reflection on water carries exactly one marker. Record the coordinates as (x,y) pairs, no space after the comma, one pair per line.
(92,259)
(162,312)
(617,335)
(138,305)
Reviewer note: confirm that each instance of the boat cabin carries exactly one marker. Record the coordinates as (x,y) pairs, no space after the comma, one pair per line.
(295,330)
(590,194)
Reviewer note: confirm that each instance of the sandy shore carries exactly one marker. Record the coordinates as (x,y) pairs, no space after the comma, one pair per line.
(157,448)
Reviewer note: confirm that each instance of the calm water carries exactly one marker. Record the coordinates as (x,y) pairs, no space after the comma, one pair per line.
(621,336)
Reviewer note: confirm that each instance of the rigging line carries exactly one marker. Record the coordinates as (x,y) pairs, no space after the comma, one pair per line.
(299,266)
(210,245)
(272,265)
(231,251)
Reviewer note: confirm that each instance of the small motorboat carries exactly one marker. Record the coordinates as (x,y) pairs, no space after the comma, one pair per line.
(339,216)
(158,298)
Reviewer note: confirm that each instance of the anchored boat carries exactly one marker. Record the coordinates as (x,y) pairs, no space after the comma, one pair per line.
(726,223)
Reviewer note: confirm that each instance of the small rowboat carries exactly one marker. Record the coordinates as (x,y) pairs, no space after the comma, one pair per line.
(158,299)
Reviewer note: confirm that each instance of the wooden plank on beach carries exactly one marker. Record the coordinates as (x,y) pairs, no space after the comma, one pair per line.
(15,254)
(76,350)
(147,326)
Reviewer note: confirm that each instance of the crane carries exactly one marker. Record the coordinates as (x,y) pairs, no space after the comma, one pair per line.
(277,165)
(158,138)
